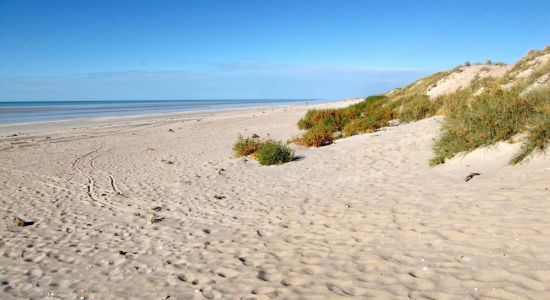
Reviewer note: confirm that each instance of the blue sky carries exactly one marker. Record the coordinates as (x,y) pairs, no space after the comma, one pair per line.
(88,50)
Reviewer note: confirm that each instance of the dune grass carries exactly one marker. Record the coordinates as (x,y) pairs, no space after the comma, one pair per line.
(497,114)
(419,87)
(330,118)
(417,107)
(373,116)
(369,115)
(538,127)
(362,125)
(472,120)
(324,126)
(316,136)
(494,115)
(307,121)
(479,115)
(246,146)
(267,152)
(537,140)
(274,153)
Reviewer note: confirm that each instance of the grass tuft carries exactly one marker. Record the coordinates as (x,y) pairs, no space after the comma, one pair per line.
(317,136)
(267,152)
(373,118)
(417,108)
(246,146)
(307,121)
(323,126)
(273,153)
(537,140)
(494,115)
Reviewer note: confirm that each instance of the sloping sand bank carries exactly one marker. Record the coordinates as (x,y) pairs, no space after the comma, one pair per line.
(365,217)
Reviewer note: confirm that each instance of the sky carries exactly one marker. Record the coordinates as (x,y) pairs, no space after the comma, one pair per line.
(137,50)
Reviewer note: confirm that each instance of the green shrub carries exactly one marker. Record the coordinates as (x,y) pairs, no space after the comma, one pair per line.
(363,125)
(416,108)
(538,139)
(323,126)
(494,115)
(380,114)
(267,152)
(307,121)
(375,117)
(273,153)
(317,136)
(358,108)
(337,119)
(245,146)
(334,118)
(538,127)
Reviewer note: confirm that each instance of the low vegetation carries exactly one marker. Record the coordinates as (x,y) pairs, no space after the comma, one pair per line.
(538,139)
(267,152)
(525,63)
(324,126)
(246,146)
(486,112)
(274,153)
(418,107)
(316,136)
(375,114)
(494,115)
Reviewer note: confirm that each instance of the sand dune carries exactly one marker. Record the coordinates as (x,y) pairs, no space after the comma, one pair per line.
(364,217)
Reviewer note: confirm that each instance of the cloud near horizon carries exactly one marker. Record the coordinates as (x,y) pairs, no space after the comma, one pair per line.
(239,80)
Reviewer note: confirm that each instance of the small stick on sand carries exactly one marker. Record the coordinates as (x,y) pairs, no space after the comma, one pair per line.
(469,177)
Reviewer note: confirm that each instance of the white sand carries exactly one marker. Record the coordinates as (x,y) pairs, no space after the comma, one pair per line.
(464,77)
(365,217)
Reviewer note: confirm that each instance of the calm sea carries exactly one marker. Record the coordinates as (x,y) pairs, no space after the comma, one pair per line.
(32,111)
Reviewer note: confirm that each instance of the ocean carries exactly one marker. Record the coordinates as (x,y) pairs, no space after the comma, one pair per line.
(35,111)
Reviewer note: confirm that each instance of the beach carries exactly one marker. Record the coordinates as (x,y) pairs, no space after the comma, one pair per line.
(159,208)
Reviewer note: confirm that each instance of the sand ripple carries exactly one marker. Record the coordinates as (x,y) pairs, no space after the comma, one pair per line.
(363,218)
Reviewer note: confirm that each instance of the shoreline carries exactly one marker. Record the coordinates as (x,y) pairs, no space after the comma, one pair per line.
(9,129)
